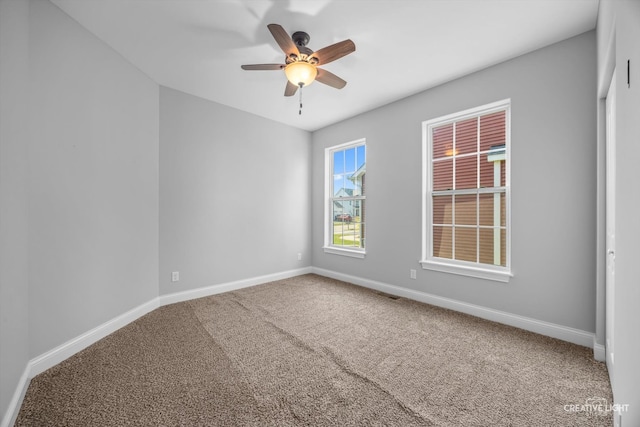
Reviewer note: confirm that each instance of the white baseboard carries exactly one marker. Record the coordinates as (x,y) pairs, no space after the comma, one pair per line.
(599,352)
(230,286)
(52,357)
(564,333)
(11,414)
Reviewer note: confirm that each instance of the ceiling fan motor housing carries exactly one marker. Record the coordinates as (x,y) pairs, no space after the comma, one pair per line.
(300,38)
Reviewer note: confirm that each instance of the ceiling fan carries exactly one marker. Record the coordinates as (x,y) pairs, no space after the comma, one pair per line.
(301,63)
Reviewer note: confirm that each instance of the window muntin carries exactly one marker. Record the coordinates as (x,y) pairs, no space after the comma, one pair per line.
(346,177)
(466,192)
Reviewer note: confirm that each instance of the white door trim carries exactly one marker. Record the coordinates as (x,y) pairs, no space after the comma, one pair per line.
(610,209)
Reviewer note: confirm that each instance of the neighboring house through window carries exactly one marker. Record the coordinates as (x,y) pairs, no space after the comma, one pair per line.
(466,192)
(345,169)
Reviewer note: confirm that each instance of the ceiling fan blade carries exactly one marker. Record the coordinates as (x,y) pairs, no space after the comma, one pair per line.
(291,89)
(263,67)
(330,79)
(335,51)
(284,40)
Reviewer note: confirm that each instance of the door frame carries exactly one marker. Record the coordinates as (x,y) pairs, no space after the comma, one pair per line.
(610,209)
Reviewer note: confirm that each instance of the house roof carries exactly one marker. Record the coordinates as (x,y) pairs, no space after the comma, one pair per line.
(361,171)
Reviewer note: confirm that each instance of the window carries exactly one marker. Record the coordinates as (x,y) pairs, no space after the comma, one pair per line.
(466,192)
(345,199)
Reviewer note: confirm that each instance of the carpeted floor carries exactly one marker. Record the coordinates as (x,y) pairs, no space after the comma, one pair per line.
(312,351)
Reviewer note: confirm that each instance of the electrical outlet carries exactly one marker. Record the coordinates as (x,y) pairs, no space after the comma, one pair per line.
(299,256)
(412,273)
(175,276)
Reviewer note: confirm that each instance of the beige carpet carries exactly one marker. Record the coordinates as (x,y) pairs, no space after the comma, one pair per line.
(311,351)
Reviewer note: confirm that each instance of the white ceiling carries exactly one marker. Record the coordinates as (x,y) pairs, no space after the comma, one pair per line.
(402,46)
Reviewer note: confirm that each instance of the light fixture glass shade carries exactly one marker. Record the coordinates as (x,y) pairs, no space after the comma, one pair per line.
(300,72)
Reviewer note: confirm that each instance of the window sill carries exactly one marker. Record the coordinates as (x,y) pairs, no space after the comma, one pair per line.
(344,252)
(480,273)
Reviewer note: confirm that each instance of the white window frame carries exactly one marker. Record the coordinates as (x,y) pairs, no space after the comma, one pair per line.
(465,268)
(329,247)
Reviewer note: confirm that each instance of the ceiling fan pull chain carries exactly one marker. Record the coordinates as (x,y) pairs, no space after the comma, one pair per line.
(300,110)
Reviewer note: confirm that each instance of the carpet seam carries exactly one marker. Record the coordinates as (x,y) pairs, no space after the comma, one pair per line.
(338,362)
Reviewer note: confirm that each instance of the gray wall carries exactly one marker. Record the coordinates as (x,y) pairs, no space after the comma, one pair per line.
(14,86)
(234,194)
(93,189)
(552,91)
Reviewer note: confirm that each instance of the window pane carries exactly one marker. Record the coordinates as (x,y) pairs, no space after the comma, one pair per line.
(358,223)
(348,226)
(443,175)
(493,246)
(503,247)
(485,210)
(360,156)
(350,210)
(489,205)
(341,186)
(466,244)
(492,130)
(350,236)
(338,229)
(442,141)
(350,160)
(466,172)
(442,209)
(488,174)
(355,207)
(355,181)
(343,210)
(358,235)
(338,162)
(487,245)
(338,210)
(466,209)
(442,242)
(467,136)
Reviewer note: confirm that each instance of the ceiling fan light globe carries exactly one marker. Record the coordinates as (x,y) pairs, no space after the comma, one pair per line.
(301,73)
